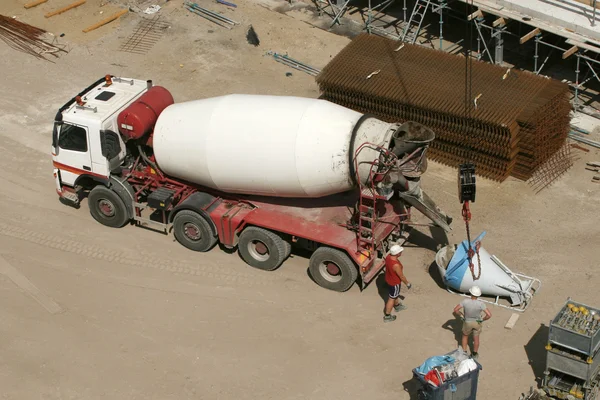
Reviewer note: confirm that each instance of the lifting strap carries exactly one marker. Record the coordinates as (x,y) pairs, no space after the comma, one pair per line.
(466,213)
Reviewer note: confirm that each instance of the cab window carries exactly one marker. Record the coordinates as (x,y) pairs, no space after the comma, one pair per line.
(73,138)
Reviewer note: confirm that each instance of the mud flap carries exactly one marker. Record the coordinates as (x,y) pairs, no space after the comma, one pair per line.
(57,181)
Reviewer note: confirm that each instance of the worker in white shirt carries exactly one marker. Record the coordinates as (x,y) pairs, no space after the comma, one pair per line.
(472,310)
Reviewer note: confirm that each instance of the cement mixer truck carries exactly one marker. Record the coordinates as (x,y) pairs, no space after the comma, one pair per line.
(261,174)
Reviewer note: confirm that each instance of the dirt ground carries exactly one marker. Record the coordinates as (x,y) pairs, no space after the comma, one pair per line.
(90,312)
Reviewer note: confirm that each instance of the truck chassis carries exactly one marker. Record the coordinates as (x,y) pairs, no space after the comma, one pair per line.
(348,234)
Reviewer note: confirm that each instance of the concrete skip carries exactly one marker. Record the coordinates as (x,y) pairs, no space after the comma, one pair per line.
(496,279)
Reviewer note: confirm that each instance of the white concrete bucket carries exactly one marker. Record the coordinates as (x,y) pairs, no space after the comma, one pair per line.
(496,279)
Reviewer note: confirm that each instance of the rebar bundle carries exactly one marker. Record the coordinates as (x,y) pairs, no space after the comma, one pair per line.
(517,120)
(26,38)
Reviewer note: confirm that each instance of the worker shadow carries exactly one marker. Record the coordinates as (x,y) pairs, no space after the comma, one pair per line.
(383,288)
(536,352)
(454,325)
(412,387)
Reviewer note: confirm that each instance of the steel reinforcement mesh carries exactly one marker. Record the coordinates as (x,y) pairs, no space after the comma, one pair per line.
(518,122)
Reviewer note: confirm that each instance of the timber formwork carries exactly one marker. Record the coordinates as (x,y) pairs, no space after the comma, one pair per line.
(513,122)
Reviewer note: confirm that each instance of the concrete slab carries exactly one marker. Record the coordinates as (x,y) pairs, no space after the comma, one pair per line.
(566,18)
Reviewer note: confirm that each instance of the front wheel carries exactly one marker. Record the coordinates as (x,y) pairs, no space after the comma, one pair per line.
(107,207)
(332,269)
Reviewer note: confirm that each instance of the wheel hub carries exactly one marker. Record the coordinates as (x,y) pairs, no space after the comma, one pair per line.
(330,271)
(258,250)
(261,248)
(191,231)
(106,207)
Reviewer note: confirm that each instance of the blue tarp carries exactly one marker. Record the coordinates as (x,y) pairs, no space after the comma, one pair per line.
(432,362)
(460,263)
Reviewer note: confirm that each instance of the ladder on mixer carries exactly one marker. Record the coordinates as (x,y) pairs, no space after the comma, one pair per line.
(367,219)
(415,21)
(367,202)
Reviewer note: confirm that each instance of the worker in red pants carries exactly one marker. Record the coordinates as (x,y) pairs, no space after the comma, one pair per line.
(472,310)
(394,276)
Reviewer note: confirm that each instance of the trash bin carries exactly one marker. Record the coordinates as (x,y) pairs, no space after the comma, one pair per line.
(463,387)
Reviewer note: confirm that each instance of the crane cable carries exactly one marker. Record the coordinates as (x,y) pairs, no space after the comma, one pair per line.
(466,212)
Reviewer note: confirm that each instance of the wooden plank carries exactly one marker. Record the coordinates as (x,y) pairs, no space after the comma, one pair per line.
(105,21)
(570,52)
(476,14)
(25,285)
(34,3)
(530,35)
(67,8)
(498,22)
(585,46)
(512,321)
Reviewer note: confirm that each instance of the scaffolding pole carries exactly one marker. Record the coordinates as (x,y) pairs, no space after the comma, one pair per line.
(440,10)
(477,25)
(370,26)
(499,49)
(576,98)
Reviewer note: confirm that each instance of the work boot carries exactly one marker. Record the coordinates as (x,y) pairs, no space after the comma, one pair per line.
(399,307)
(389,318)
(474,356)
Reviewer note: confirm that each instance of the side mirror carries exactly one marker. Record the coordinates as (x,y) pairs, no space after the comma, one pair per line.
(57,125)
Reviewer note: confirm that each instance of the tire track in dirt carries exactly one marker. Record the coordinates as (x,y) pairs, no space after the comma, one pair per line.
(205,268)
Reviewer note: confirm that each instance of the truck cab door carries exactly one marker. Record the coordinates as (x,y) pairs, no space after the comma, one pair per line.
(73,153)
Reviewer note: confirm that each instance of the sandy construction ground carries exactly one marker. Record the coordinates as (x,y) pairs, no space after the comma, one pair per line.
(89,312)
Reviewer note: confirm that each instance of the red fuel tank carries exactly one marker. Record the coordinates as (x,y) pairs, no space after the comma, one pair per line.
(139,118)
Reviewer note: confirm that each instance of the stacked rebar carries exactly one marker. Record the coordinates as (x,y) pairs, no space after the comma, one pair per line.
(26,38)
(290,62)
(212,16)
(514,122)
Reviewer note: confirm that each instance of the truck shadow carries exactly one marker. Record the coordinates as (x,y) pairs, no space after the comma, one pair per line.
(433,242)
(536,352)
(227,250)
(435,275)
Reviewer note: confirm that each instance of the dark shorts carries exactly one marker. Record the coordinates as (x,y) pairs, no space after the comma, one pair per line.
(394,291)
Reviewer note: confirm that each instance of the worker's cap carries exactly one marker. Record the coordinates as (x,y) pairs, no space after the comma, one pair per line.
(475,291)
(396,249)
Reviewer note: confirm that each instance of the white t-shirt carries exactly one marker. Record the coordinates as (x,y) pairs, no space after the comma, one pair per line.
(472,309)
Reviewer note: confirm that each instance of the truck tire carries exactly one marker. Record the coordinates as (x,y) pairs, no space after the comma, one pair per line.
(288,249)
(193,231)
(262,249)
(332,269)
(107,207)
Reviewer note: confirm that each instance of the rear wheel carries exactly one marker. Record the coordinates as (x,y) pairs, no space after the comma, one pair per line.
(107,207)
(193,231)
(332,269)
(262,249)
